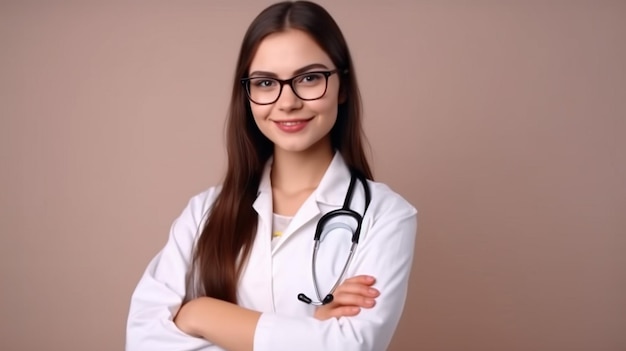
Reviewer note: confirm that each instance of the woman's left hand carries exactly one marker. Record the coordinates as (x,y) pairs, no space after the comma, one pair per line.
(352,295)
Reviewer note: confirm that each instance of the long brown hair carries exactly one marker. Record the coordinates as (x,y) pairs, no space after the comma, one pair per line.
(226,239)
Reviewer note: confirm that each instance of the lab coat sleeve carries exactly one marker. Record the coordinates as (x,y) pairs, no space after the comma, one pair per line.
(385,253)
(161,289)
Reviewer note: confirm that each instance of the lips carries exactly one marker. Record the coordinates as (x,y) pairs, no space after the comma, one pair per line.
(293,125)
(293,121)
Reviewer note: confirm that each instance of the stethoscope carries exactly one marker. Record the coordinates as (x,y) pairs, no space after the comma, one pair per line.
(323,223)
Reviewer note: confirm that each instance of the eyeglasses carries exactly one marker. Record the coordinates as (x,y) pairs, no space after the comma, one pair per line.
(307,86)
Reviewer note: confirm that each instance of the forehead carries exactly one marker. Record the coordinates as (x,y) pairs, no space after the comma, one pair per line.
(283,53)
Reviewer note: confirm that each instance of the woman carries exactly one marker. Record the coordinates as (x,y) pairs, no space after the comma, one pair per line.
(237,270)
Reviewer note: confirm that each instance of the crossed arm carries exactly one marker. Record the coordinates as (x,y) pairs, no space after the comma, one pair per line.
(232,327)
(157,321)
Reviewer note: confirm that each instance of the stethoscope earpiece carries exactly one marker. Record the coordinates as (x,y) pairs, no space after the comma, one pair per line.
(328,299)
(304,298)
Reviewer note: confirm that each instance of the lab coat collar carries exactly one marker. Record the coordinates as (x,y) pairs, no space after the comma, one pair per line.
(334,185)
(330,192)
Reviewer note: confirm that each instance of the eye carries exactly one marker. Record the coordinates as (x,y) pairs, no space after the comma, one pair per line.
(263,83)
(310,78)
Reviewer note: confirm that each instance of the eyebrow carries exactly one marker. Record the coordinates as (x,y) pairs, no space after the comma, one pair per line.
(295,73)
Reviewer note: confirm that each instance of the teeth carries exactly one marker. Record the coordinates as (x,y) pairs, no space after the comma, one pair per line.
(290,123)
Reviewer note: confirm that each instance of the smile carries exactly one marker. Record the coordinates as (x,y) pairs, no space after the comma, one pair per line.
(293,125)
(293,122)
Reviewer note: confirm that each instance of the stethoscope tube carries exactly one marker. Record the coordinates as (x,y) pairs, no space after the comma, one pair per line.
(344,211)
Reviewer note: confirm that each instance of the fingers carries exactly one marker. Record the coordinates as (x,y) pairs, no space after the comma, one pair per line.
(361,279)
(355,288)
(350,297)
(355,300)
(356,292)
(337,312)
(346,304)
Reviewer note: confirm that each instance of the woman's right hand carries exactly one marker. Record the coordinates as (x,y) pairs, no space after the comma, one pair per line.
(349,297)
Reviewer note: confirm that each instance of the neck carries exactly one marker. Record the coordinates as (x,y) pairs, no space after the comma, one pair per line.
(294,172)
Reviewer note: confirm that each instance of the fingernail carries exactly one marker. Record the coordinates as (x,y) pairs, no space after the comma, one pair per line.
(373,291)
(369,302)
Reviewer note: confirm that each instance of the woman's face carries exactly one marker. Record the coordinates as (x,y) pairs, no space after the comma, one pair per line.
(293,124)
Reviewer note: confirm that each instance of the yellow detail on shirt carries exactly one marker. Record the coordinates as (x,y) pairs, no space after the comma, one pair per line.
(277,234)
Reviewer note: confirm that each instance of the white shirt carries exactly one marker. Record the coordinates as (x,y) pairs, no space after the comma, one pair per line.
(279,225)
(273,277)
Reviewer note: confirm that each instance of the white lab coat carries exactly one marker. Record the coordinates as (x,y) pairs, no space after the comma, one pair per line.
(273,278)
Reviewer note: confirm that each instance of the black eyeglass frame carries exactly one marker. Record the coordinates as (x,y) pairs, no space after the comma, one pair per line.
(246,84)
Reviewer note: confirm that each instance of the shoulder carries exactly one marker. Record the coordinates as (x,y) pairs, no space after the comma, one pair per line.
(201,203)
(390,222)
(195,213)
(388,203)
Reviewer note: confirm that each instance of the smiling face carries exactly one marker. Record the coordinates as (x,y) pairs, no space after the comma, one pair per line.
(293,124)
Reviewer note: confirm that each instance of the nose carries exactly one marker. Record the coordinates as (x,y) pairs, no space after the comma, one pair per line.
(288,100)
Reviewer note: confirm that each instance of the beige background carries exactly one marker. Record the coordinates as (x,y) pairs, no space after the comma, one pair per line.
(503,122)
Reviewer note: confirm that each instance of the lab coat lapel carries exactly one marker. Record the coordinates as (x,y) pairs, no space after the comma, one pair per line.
(334,185)
(307,212)
(255,292)
(330,193)
(263,204)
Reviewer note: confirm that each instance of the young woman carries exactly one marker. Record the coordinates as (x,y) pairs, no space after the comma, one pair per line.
(241,269)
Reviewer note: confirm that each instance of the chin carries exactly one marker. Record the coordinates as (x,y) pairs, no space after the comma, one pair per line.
(292,148)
